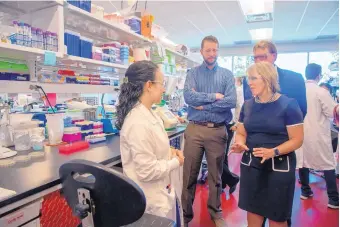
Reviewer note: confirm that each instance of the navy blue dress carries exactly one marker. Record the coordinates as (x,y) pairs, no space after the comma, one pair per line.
(268,189)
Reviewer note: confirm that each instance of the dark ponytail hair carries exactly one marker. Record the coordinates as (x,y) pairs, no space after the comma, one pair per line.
(132,89)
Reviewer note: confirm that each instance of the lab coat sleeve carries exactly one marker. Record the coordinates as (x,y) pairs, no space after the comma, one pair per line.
(236,115)
(239,102)
(194,98)
(229,100)
(148,167)
(327,103)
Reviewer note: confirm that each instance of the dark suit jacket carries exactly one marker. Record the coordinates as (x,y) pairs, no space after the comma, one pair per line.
(292,85)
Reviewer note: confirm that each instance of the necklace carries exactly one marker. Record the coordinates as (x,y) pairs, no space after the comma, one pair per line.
(272,99)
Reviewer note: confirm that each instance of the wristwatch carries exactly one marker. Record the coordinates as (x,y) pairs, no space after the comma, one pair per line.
(276,152)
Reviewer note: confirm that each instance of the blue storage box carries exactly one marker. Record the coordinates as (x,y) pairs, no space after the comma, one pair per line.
(86,47)
(72,41)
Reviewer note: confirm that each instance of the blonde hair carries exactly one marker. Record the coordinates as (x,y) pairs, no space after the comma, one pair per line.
(265,44)
(268,73)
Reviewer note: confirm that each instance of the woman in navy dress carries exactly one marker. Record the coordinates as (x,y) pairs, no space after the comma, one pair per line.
(270,130)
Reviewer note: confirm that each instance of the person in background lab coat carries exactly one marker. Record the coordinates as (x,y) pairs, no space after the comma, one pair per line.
(229,178)
(317,152)
(144,144)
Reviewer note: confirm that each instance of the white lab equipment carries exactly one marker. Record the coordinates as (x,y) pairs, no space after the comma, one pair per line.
(22,140)
(6,153)
(171,83)
(170,121)
(21,133)
(6,138)
(75,105)
(55,128)
(139,54)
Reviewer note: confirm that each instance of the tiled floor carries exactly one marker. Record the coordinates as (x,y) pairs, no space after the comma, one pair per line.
(308,213)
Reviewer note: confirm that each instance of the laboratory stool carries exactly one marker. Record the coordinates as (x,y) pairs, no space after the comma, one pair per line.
(104,197)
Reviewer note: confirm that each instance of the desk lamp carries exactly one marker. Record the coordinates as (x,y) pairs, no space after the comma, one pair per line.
(36,88)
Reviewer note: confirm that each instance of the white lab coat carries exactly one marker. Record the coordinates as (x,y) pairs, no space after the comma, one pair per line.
(316,151)
(239,103)
(146,159)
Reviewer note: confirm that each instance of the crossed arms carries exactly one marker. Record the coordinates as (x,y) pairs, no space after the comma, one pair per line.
(213,102)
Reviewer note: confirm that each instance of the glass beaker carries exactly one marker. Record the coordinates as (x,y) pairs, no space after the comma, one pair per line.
(37,142)
(22,141)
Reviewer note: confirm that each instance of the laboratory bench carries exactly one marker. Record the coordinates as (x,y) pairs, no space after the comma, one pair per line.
(38,179)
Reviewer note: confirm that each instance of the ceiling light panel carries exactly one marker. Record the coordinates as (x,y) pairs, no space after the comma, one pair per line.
(250,7)
(262,33)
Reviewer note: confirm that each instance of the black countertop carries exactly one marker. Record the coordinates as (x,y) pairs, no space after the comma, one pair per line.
(40,174)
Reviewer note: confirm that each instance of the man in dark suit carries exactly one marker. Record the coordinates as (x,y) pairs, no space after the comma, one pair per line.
(291,83)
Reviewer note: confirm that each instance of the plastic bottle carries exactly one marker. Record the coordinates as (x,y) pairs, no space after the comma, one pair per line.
(41,39)
(37,40)
(20,35)
(25,43)
(16,28)
(48,40)
(44,40)
(24,31)
(34,39)
(54,42)
(29,35)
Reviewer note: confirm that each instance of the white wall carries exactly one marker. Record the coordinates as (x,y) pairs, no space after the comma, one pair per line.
(312,46)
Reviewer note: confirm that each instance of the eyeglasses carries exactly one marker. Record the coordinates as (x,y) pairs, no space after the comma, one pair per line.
(259,57)
(159,82)
(252,78)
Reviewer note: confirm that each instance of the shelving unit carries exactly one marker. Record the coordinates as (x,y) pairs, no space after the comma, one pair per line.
(182,59)
(85,19)
(69,59)
(16,8)
(24,87)
(21,52)
(58,15)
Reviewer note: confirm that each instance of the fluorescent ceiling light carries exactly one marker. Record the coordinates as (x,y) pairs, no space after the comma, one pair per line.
(256,6)
(168,41)
(262,33)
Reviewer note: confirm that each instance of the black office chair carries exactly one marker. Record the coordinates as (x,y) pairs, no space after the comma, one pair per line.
(104,197)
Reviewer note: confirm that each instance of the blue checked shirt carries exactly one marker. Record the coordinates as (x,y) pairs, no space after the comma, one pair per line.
(200,89)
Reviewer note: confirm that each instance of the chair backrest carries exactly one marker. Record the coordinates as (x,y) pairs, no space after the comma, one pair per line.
(118,200)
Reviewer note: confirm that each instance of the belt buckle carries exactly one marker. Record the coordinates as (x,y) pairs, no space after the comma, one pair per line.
(210,125)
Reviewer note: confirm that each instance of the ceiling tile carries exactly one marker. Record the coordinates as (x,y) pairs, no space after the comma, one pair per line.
(315,19)
(287,16)
(178,17)
(230,15)
(332,28)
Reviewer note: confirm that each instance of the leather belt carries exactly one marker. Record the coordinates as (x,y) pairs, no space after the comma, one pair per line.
(208,124)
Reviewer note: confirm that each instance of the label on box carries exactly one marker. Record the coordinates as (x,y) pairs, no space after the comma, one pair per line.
(50,58)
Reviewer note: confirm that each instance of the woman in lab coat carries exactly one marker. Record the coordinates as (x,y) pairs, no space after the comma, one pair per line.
(317,151)
(144,144)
